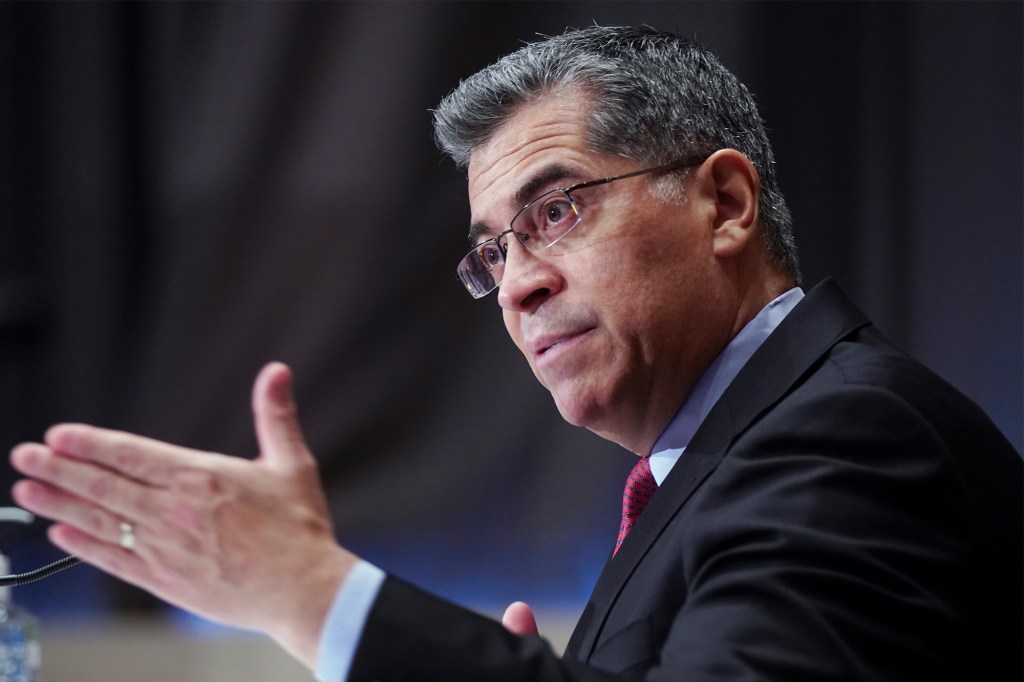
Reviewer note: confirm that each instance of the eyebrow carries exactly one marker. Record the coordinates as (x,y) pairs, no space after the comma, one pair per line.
(527,192)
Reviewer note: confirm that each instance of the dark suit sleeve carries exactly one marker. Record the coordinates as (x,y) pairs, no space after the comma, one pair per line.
(412,635)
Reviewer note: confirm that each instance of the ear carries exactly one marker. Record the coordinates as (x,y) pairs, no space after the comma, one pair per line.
(736,189)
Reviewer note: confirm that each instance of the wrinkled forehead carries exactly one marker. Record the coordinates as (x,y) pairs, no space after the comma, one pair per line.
(546,126)
(547,120)
(541,145)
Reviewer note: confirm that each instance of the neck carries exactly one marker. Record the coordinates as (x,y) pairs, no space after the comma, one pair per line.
(754,295)
(746,297)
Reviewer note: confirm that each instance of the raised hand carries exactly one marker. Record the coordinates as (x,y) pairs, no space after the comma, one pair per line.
(248,543)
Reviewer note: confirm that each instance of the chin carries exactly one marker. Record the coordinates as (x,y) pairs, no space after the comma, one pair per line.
(580,410)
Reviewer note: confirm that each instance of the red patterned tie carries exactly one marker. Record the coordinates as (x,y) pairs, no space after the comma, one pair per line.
(640,486)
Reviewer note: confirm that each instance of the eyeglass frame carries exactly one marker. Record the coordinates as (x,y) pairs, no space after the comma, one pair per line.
(503,247)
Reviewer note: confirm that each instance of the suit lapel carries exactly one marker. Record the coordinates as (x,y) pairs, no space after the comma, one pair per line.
(817,323)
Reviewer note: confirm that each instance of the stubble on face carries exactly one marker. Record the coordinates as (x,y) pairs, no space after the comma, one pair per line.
(614,330)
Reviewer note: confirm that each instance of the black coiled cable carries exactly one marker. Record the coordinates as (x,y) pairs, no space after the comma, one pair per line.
(39,573)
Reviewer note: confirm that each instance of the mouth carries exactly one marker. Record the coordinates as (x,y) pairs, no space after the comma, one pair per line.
(547,346)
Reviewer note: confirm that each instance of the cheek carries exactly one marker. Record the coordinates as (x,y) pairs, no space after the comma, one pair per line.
(511,322)
(627,276)
(513,328)
(646,290)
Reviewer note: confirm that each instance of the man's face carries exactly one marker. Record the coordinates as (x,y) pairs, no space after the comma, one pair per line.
(620,326)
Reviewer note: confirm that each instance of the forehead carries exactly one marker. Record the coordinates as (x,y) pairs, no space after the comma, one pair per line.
(552,122)
(543,144)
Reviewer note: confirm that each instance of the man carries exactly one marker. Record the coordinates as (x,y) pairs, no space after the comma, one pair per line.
(815,504)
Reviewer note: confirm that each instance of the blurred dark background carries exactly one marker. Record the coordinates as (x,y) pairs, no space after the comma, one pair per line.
(188,190)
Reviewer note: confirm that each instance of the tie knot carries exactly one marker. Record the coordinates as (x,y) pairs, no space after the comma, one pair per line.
(640,487)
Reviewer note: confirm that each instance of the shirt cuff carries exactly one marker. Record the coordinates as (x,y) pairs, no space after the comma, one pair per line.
(346,620)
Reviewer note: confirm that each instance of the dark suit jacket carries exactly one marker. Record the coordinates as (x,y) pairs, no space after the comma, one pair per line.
(841,514)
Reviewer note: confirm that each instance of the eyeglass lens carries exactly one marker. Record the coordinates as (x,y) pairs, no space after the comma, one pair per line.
(538,225)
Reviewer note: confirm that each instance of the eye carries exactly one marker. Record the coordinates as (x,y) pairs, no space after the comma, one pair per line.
(490,254)
(556,216)
(546,219)
(554,212)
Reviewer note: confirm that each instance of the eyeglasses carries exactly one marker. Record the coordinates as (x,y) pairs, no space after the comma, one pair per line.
(539,225)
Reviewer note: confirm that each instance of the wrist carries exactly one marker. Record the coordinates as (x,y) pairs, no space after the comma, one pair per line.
(300,626)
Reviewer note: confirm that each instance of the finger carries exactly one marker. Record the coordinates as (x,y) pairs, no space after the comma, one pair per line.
(143,459)
(275,414)
(519,620)
(71,477)
(57,505)
(122,563)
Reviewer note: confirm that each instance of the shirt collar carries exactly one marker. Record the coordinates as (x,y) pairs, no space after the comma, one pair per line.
(716,378)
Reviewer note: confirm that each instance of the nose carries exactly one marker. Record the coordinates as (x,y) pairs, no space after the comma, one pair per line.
(528,279)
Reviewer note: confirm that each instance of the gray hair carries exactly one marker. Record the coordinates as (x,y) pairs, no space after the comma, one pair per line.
(655,98)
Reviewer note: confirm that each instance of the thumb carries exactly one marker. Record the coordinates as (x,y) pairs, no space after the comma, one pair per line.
(276,417)
(519,620)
